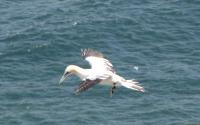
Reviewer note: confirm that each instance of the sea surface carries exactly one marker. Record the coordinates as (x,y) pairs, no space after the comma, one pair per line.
(156,42)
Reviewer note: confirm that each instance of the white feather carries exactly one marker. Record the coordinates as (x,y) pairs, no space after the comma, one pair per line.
(100,68)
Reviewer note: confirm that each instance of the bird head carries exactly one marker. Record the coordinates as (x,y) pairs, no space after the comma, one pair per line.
(71,69)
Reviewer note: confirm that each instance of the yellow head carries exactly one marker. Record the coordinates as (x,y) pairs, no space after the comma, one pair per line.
(71,69)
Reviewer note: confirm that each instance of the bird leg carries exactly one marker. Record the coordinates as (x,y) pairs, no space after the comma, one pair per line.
(112,89)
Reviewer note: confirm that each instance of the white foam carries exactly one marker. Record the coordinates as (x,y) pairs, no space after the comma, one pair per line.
(75,23)
(136,68)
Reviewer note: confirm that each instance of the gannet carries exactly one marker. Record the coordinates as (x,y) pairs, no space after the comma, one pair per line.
(101,72)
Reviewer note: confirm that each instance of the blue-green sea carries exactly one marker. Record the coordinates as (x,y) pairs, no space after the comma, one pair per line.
(156,42)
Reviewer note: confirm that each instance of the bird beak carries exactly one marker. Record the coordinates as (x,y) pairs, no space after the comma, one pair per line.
(65,75)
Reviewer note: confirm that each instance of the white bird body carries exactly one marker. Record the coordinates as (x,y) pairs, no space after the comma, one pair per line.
(91,74)
(101,72)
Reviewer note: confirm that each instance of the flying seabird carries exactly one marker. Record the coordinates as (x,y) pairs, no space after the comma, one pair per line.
(101,72)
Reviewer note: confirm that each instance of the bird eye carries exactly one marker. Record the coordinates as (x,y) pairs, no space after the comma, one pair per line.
(67,73)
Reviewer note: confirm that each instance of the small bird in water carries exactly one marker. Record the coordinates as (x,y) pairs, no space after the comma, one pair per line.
(101,72)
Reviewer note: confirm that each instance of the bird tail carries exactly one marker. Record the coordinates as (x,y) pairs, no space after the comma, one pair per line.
(132,84)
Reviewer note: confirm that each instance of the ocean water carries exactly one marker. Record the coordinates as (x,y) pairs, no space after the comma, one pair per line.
(156,42)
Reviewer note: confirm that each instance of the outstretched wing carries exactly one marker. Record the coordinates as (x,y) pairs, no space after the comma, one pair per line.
(86,85)
(97,60)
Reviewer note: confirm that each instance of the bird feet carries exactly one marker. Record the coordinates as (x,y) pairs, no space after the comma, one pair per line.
(112,89)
